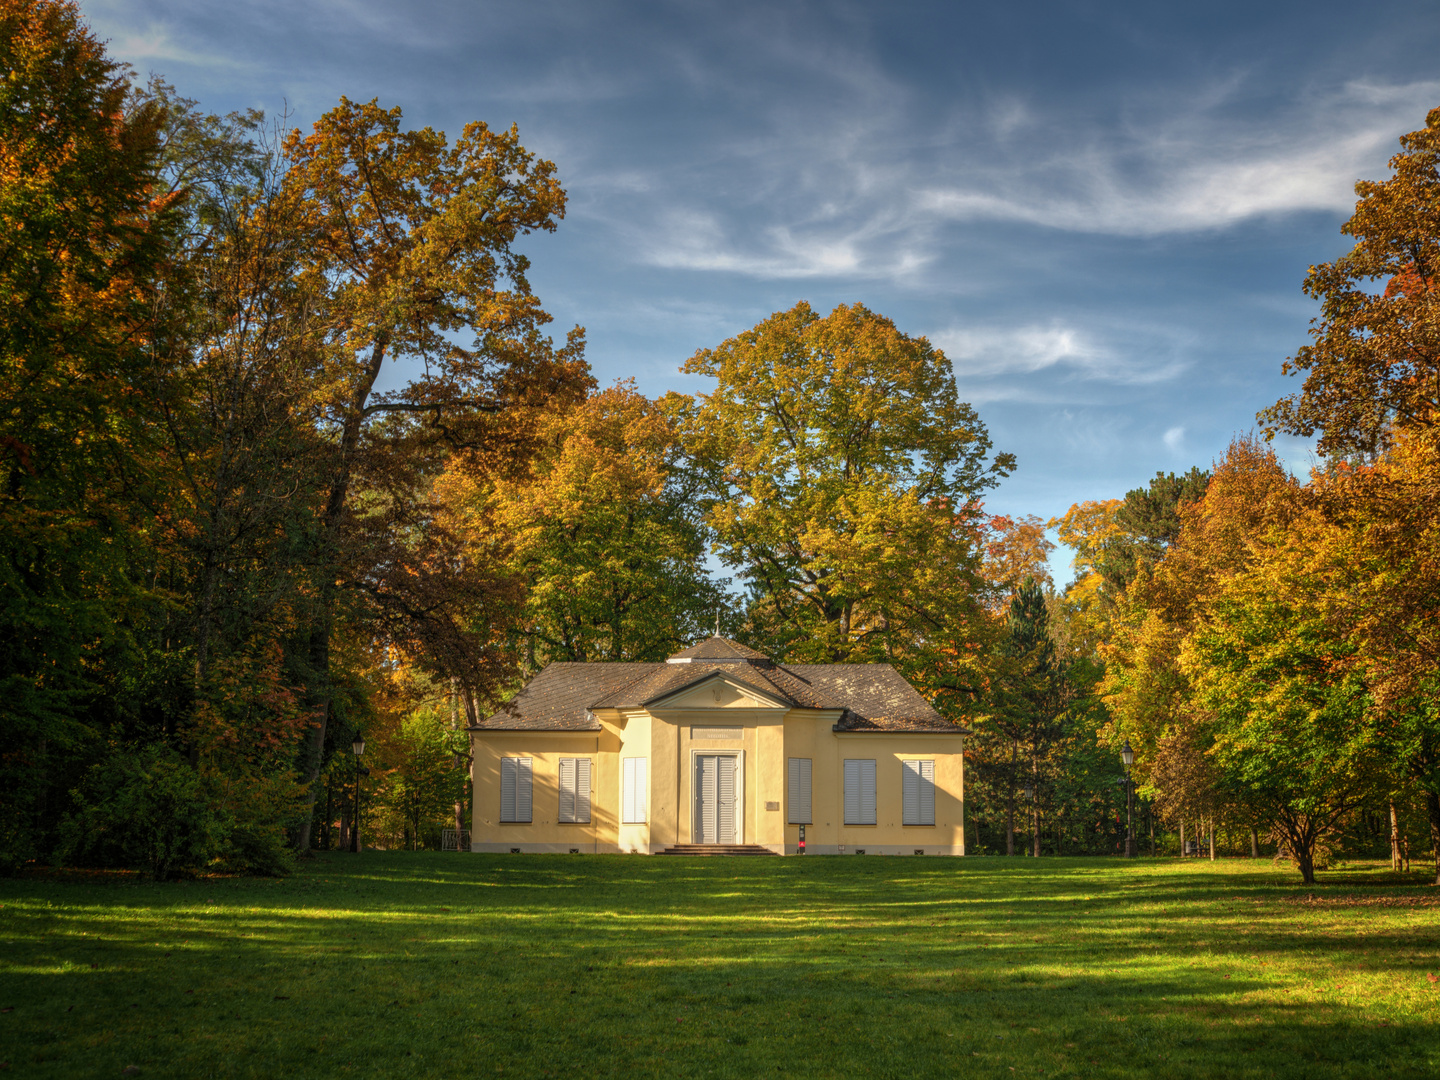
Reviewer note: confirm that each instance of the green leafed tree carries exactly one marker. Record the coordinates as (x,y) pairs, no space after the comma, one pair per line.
(599,533)
(84,234)
(841,475)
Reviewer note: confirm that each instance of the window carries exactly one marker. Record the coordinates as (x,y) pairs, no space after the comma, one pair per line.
(919,792)
(574,790)
(859,791)
(515,773)
(632,791)
(800,791)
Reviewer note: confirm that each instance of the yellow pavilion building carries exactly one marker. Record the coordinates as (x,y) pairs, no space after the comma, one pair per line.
(718,750)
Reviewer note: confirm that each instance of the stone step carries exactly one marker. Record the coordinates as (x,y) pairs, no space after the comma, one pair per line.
(716,849)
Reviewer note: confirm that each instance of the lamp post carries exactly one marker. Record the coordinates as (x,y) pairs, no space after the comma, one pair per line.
(358,746)
(1127,755)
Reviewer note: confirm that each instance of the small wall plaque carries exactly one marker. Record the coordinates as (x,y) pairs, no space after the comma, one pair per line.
(722,734)
(772,806)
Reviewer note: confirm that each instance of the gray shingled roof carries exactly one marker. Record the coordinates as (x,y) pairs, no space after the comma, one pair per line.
(719,648)
(561,696)
(874,697)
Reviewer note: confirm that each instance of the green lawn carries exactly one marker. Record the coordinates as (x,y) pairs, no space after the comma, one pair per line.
(392,964)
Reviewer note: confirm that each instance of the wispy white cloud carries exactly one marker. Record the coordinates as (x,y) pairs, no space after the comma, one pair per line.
(1199,168)
(861,195)
(1134,356)
(155,43)
(1174,439)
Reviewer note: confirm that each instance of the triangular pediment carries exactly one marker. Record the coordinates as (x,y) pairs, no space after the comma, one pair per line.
(718,692)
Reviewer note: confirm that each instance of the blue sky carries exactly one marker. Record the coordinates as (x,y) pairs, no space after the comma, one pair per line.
(1102,212)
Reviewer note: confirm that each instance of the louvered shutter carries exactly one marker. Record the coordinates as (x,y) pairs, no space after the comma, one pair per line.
(910,791)
(867,791)
(707,800)
(927,793)
(524,777)
(642,791)
(859,791)
(507,788)
(725,802)
(799,811)
(567,789)
(582,789)
(515,789)
(919,792)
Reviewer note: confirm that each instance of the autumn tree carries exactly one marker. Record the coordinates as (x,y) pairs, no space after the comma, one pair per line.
(841,476)
(84,353)
(1370,393)
(1373,362)
(1283,716)
(600,531)
(1145,689)
(1382,590)
(408,246)
(1085,607)
(1016,550)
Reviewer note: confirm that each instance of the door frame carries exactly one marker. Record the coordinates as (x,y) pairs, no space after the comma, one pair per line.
(739,756)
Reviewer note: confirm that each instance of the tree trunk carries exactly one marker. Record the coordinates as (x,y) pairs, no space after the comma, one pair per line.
(1182,838)
(1305,856)
(1010,803)
(330,538)
(1212,839)
(1254,842)
(1432,803)
(1394,838)
(344,844)
(1035,805)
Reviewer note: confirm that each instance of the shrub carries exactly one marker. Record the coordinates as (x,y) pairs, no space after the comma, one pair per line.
(145,809)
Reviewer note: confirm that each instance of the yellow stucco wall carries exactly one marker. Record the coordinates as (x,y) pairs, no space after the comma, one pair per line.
(768,736)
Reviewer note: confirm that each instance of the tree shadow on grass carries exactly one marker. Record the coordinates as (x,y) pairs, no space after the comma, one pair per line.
(878,967)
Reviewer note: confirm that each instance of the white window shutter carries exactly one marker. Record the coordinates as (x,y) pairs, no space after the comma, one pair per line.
(642,791)
(867,791)
(582,789)
(927,793)
(859,791)
(800,813)
(567,789)
(507,788)
(725,808)
(515,774)
(852,791)
(910,791)
(524,778)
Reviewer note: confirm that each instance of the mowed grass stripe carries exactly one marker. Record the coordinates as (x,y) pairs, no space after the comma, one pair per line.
(395,964)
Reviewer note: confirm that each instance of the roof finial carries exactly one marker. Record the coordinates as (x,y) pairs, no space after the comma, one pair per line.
(717,620)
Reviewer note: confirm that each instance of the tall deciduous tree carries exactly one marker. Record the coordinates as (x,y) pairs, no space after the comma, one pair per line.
(600,532)
(1374,357)
(408,243)
(841,475)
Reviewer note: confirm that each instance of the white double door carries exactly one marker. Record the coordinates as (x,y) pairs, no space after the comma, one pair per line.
(717,799)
